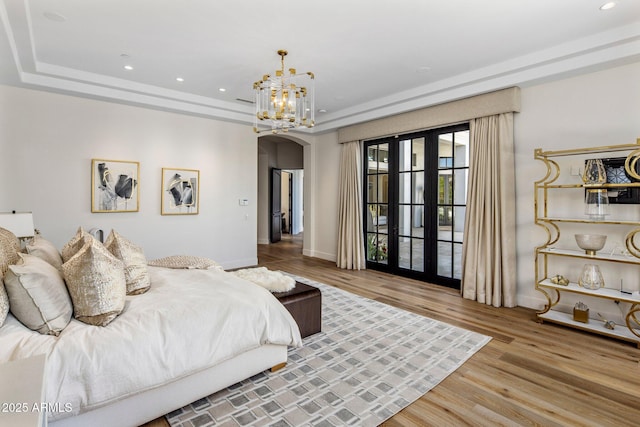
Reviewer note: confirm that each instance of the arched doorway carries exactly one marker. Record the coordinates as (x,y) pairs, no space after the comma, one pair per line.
(280,155)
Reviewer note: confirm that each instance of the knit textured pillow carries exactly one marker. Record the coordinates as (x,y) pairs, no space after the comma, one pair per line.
(74,245)
(185,261)
(95,279)
(136,273)
(9,248)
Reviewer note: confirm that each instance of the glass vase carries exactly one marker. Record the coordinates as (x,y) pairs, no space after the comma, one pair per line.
(591,277)
(594,172)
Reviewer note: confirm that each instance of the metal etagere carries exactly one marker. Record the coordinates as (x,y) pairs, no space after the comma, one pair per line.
(552,226)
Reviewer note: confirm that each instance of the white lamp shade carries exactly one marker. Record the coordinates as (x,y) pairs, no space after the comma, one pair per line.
(19,223)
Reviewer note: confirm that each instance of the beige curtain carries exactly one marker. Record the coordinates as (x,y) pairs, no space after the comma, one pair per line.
(489,249)
(350,234)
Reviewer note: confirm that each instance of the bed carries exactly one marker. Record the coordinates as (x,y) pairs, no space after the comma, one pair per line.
(194,332)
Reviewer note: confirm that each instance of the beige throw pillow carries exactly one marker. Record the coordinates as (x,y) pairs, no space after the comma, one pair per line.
(9,248)
(74,245)
(45,250)
(38,296)
(185,261)
(95,279)
(136,273)
(4,304)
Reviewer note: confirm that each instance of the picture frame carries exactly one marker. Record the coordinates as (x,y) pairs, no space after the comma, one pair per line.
(180,191)
(115,186)
(616,174)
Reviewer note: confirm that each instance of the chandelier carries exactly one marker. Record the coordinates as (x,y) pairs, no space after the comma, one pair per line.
(285,101)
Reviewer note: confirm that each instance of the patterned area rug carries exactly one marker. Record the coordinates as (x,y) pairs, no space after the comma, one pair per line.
(370,361)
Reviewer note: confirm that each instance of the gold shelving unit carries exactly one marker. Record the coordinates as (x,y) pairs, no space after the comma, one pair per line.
(552,227)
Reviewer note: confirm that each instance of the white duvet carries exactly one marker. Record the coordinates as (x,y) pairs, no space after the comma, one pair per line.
(188,321)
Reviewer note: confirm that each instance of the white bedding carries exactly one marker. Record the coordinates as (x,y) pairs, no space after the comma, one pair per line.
(188,321)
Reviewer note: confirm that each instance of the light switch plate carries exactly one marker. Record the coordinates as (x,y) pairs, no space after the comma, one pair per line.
(244,202)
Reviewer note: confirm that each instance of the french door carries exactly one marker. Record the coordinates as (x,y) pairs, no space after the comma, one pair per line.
(415,194)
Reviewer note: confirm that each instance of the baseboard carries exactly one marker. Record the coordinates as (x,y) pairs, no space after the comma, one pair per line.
(264,242)
(321,255)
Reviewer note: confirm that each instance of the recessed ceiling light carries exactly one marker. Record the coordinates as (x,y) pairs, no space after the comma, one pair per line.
(322,110)
(128,67)
(179,79)
(608,5)
(54,16)
(423,70)
(222,89)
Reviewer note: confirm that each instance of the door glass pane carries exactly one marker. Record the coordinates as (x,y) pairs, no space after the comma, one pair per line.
(458,222)
(404,155)
(445,187)
(372,159)
(404,252)
(445,150)
(404,187)
(417,255)
(383,158)
(418,221)
(383,249)
(445,219)
(460,186)
(372,188)
(461,154)
(383,191)
(404,220)
(383,215)
(371,246)
(457,261)
(372,217)
(417,151)
(444,259)
(418,188)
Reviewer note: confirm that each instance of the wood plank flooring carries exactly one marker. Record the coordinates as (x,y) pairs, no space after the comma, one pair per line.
(530,374)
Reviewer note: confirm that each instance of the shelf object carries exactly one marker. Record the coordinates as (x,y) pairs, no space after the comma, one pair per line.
(543,199)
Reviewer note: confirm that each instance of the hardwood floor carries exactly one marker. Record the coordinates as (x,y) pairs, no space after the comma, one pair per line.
(529,374)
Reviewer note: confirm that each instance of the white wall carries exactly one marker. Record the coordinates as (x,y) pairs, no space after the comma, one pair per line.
(325,191)
(47,142)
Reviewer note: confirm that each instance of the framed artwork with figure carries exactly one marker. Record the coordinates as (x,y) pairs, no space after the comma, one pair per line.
(115,186)
(180,191)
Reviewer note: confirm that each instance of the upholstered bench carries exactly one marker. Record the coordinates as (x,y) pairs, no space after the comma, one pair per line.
(304,302)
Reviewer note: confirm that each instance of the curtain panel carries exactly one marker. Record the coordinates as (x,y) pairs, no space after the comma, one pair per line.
(489,248)
(350,235)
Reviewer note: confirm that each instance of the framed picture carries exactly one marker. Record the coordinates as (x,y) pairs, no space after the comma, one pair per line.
(115,186)
(617,175)
(180,191)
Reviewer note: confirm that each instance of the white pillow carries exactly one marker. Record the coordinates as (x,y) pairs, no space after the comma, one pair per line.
(271,280)
(95,279)
(136,273)
(45,250)
(38,296)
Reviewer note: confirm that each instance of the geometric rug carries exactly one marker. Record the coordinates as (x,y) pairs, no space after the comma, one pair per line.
(370,361)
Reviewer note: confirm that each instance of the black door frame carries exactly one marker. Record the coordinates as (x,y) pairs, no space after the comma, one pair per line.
(430,204)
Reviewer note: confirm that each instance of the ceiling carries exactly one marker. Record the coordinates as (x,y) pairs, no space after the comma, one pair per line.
(370,59)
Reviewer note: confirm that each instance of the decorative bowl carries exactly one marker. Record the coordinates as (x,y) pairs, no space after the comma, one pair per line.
(591,243)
